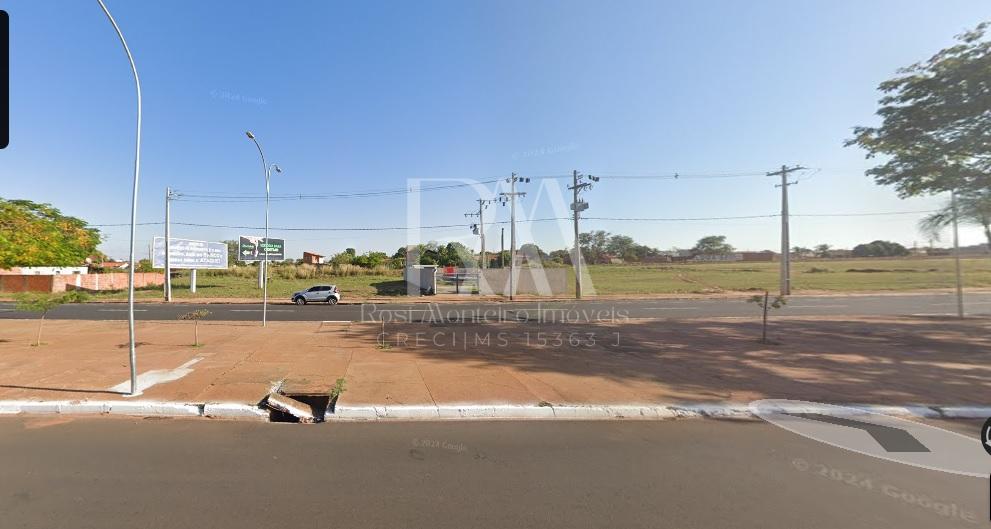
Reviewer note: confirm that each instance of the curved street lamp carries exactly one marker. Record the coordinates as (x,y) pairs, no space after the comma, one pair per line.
(134,206)
(263,272)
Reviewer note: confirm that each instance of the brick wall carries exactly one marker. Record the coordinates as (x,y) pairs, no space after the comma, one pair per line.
(61,283)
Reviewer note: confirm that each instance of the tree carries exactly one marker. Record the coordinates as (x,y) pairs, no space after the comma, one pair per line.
(972,208)
(195,316)
(713,245)
(343,258)
(561,256)
(822,250)
(33,234)
(935,125)
(765,303)
(880,249)
(622,246)
(43,302)
(593,245)
(370,259)
(144,265)
(232,249)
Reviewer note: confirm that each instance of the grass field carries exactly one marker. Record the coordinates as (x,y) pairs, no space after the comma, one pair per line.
(839,276)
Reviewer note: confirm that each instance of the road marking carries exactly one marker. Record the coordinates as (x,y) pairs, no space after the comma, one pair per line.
(965,303)
(154,377)
(817,306)
(259,310)
(120,310)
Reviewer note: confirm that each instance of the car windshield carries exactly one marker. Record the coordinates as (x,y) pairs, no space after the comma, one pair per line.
(596,264)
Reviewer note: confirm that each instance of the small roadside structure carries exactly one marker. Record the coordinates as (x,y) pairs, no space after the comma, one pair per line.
(312,258)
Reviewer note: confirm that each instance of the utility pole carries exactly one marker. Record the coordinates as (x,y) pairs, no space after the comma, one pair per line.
(502,247)
(785,243)
(479,229)
(577,207)
(168,261)
(956,254)
(511,197)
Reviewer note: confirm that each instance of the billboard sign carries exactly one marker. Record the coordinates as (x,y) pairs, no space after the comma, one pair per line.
(254,248)
(185,253)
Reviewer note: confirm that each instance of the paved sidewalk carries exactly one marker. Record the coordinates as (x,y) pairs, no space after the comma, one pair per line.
(882,361)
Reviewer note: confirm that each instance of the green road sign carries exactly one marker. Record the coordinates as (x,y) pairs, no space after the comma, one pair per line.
(255,248)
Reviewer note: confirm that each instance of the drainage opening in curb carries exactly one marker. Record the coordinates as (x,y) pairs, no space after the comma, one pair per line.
(297,407)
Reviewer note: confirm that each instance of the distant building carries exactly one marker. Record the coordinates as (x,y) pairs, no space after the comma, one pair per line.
(312,258)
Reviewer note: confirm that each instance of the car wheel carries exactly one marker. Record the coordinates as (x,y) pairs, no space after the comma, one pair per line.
(332,300)
(300,300)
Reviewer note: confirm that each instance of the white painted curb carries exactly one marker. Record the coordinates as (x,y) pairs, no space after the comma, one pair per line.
(344,412)
(234,410)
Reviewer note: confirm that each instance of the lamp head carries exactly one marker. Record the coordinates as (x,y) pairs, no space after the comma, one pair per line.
(277,168)
(250,135)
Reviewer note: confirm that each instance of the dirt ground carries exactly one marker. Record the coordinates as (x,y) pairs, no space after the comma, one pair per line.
(841,360)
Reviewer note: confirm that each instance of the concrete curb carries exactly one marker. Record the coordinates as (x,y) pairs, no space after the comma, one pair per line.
(344,413)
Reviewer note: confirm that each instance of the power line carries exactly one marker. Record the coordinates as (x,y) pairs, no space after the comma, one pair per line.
(208,196)
(544,219)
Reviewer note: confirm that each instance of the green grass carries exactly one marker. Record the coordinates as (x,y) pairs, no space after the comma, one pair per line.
(840,276)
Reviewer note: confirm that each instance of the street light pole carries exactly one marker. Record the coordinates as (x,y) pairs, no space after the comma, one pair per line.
(168,238)
(134,205)
(263,272)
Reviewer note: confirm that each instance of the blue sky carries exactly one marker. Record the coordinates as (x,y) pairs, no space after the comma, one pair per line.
(366,96)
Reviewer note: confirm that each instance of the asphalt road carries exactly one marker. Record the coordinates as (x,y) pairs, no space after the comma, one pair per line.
(107,473)
(873,305)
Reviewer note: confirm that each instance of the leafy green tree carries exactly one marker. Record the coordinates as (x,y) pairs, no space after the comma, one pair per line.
(232,247)
(33,234)
(822,250)
(880,249)
(593,245)
(144,265)
(44,302)
(621,246)
(935,126)
(370,259)
(561,256)
(972,208)
(713,245)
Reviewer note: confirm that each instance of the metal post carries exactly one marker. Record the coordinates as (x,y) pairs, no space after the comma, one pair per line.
(268,176)
(263,269)
(956,254)
(134,205)
(168,238)
(785,243)
(192,280)
(577,257)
